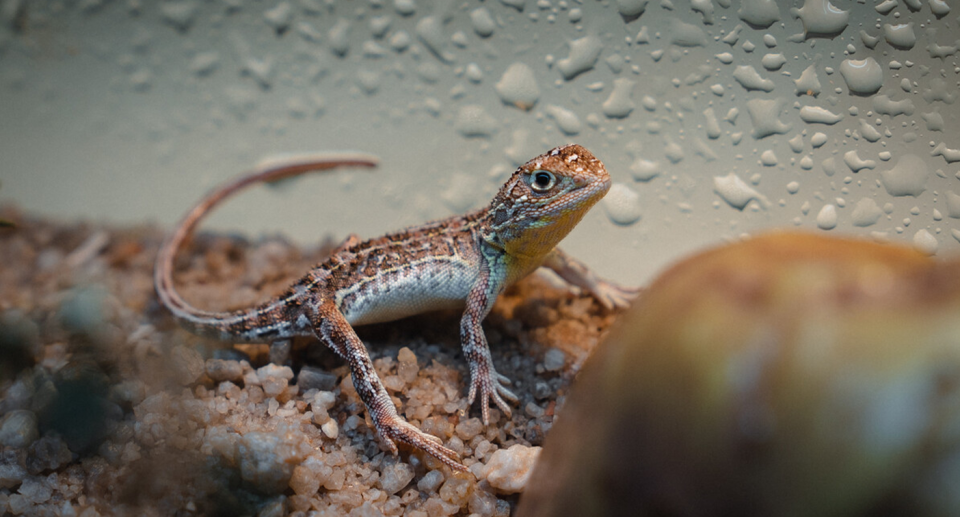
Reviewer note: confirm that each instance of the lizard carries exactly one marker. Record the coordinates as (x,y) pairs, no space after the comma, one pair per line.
(462,261)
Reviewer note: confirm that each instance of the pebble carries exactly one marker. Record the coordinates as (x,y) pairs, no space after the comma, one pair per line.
(48,453)
(469,428)
(430,481)
(395,476)
(330,429)
(224,370)
(310,378)
(18,428)
(509,469)
(407,367)
(554,359)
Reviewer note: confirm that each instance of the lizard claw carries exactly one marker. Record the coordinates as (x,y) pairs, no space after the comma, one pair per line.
(614,297)
(394,429)
(491,386)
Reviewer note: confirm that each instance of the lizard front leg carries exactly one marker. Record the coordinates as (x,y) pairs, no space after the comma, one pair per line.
(574,272)
(334,330)
(484,378)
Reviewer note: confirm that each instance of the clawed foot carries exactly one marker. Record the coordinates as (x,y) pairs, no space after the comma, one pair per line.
(491,386)
(394,429)
(613,296)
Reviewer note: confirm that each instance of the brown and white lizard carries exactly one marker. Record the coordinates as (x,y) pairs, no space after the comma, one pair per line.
(463,261)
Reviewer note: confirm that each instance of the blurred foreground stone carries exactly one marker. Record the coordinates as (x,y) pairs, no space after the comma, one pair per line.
(788,375)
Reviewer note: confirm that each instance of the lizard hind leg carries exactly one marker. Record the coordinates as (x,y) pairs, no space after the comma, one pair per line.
(334,331)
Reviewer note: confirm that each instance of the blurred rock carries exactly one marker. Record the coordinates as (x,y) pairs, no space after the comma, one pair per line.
(314,378)
(187,364)
(18,428)
(788,374)
(509,469)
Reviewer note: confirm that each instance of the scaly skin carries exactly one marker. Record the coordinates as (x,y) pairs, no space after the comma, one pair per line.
(462,261)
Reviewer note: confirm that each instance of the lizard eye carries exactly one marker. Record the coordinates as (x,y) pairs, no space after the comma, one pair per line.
(542,181)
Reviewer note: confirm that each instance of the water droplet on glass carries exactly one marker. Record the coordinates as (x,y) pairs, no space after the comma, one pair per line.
(866,212)
(584,53)
(483,22)
(818,115)
(821,18)
(566,120)
(518,86)
(622,204)
(855,163)
(619,103)
(736,192)
(474,121)
(900,36)
(750,79)
(765,113)
(827,217)
(759,13)
(925,242)
(907,178)
(863,77)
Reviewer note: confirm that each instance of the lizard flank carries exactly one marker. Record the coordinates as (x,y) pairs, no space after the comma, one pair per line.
(464,261)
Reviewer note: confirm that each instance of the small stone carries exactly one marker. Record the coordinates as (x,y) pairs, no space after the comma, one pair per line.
(304,481)
(11,475)
(407,368)
(224,370)
(456,491)
(395,476)
(469,428)
(430,482)
(314,378)
(187,364)
(509,469)
(437,426)
(330,429)
(47,453)
(366,510)
(36,492)
(18,429)
(554,360)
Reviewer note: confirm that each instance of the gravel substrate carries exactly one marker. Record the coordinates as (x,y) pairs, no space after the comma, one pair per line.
(109,408)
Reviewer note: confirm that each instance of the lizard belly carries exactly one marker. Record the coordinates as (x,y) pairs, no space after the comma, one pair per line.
(391,295)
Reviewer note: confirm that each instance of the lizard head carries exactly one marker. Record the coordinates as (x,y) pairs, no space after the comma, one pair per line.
(544,199)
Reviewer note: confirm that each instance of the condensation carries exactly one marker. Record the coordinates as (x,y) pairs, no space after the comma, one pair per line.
(716,118)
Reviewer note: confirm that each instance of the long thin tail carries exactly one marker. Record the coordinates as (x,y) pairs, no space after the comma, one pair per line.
(207,322)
